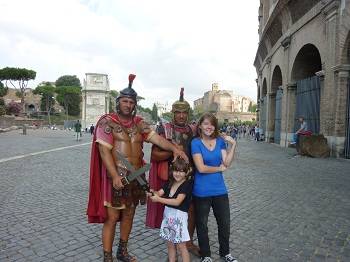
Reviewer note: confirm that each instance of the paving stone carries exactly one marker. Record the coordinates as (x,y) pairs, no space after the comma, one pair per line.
(282,208)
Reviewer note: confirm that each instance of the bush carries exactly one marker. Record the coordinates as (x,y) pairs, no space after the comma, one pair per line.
(2,102)
(13,108)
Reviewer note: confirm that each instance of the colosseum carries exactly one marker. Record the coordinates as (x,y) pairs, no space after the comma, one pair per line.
(303,65)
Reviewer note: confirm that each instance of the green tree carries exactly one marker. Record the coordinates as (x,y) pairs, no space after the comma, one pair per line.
(19,75)
(253,109)
(69,97)
(250,107)
(47,92)
(154,113)
(68,89)
(2,107)
(68,80)
(113,94)
(168,116)
(3,90)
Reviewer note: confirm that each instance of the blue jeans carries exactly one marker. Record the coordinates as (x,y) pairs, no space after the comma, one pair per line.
(296,138)
(221,210)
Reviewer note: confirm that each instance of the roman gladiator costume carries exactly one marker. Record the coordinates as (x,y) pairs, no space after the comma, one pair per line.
(127,137)
(159,173)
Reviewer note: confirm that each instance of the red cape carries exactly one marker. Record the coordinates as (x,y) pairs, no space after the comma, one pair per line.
(96,210)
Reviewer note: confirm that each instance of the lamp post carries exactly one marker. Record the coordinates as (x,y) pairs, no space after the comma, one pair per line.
(49,108)
(49,99)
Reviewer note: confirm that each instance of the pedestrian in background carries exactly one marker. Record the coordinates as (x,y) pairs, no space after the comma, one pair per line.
(303,128)
(211,158)
(92,128)
(77,128)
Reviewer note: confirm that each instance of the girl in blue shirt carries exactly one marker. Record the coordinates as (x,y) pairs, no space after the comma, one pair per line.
(211,158)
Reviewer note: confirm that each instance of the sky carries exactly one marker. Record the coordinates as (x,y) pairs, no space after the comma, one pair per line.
(167,44)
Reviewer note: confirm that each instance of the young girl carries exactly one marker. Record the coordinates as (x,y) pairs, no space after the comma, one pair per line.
(176,195)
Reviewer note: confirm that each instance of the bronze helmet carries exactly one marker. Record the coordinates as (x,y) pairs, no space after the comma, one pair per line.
(128,92)
(181,105)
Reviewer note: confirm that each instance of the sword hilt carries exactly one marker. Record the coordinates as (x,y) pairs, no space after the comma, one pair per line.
(125,181)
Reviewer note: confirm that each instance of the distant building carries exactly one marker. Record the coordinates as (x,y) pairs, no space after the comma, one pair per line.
(163,108)
(224,101)
(95,98)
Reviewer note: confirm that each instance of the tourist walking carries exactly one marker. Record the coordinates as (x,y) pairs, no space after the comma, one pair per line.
(92,128)
(176,196)
(211,158)
(77,129)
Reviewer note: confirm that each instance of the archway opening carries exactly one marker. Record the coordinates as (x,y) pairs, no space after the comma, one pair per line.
(347,119)
(275,106)
(263,109)
(306,64)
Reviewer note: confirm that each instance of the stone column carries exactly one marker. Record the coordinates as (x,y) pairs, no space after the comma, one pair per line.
(285,73)
(271,101)
(268,108)
(342,74)
(328,97)
(290,107)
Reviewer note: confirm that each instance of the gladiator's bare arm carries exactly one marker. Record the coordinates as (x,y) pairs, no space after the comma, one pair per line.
(107,159)
(159,154)
(166,145)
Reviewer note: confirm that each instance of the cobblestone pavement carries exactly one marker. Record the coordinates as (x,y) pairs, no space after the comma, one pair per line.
(282,208)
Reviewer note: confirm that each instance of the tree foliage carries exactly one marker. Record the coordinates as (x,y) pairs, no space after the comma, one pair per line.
(113,94)
(2,107)
(68,80)
(19,75)
(47,92)
(68,89)
(168,116)
(3,90)
(154,113)
(69,97)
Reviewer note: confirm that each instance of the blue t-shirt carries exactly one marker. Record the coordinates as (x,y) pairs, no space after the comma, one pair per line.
(208,184)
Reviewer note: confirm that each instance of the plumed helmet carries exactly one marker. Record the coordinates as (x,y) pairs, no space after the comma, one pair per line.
(129,91)
(181,105)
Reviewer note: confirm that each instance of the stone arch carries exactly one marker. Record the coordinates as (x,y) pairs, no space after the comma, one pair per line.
(346,60)
(276,79)
(263,107)
(275,31)
(308,87)
(306,63)
(276,82)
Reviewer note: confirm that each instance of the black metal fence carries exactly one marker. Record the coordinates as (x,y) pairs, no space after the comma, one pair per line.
(278,116)
(263,107)
(308,103)
(347,123)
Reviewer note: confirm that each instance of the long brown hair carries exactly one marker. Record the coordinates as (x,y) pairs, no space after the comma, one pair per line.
(213,120)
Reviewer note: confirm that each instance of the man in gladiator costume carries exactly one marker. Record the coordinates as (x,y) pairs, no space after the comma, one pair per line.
(180,133)
(109,200)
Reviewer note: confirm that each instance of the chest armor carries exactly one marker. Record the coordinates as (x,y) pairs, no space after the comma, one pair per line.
(129,142)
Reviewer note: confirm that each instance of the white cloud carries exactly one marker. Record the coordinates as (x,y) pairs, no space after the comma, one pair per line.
(168,44)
